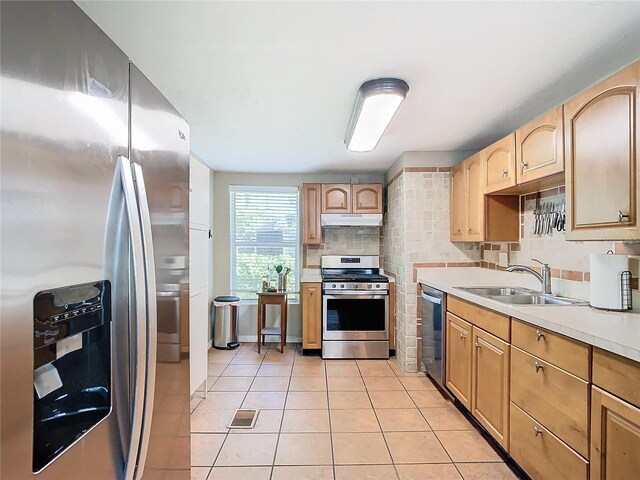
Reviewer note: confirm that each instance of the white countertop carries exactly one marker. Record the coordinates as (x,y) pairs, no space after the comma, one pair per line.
(311,275)
(612,331)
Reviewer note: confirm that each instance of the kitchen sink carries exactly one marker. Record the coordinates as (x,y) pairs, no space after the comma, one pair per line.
(496,291)
(520,296)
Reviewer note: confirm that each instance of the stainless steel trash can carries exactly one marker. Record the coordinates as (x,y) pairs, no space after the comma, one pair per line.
(225,322)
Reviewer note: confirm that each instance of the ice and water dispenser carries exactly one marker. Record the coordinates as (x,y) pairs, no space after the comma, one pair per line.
(72,366)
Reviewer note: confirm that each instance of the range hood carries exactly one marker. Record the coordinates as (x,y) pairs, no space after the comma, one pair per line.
(328,220)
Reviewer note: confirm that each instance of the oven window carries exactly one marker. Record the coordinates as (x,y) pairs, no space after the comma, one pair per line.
(355,315)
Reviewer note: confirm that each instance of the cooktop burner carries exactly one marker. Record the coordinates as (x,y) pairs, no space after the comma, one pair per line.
(350,277)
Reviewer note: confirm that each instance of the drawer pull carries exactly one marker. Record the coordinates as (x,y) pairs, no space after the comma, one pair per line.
(539,335)
(537,431)
(538,367)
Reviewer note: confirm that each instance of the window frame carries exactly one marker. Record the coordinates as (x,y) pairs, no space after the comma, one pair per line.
(293,291)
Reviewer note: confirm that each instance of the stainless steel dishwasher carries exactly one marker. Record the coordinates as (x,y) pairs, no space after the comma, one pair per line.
(433,333)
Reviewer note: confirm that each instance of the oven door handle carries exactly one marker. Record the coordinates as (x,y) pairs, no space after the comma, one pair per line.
(356,296)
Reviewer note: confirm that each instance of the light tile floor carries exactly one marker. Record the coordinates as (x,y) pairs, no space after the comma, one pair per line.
(331,420)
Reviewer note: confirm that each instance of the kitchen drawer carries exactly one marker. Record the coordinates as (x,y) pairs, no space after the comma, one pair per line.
(488,320)
(555,398)
(563,352)
(540,453)
(618,375)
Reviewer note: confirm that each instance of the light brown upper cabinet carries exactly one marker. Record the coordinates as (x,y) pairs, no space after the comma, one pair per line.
(311,208)
(474,216)
(475,199)
(336,198)
(499,162)
(601,151)
(539,151)
(367,198)
(458,202)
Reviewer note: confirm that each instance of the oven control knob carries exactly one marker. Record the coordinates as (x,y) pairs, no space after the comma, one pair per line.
(342,285)
(378,286)
(333,286)
(369,286)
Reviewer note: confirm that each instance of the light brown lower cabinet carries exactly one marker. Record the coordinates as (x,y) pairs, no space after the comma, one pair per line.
(615,437)
(540,453)
(311,315)
(458,360)
(554,397)
(490,385)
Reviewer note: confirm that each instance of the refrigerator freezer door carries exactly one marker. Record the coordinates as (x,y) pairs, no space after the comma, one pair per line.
(160,147)
(64,110)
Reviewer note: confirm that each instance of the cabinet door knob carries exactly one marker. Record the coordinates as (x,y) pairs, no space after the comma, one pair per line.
(504,173)
(342,204)
(462,337)
(538,367)
(477,344)
(458,230)
(468,230)
(361,204)
(312,236)
(524,165)
(537,431)
(622,216)
(539,335)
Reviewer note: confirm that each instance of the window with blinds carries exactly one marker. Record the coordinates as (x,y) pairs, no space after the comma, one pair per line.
(264,233)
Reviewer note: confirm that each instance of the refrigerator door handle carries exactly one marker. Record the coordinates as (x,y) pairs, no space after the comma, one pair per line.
(152,315)
(137,414)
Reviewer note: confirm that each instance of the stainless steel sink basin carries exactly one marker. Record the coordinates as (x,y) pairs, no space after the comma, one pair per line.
(535,299)
(496,291)
(520,296)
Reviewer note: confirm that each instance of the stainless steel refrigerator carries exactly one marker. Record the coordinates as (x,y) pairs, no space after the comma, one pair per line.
(94,196)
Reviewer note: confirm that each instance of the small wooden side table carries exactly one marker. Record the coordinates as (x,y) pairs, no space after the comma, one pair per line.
(272,298)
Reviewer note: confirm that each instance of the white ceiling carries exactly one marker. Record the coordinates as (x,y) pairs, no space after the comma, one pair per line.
(269,86)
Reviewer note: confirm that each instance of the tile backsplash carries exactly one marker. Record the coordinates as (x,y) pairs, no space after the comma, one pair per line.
(416,235)
(344,241)
(568,260)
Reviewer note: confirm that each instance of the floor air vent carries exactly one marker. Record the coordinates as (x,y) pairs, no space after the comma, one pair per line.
(244,419)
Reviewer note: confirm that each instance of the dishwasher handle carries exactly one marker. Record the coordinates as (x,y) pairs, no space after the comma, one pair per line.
(432,295)
(436,300)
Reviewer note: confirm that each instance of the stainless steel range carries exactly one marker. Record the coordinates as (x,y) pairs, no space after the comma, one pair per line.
(355,307)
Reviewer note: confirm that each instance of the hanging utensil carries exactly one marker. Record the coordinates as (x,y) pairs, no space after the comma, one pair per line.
(536,216)
(562,218)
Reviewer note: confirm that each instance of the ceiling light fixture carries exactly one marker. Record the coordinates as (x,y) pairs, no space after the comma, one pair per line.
(376,104)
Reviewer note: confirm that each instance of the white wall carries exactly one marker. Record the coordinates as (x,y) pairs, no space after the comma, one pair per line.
(222,228)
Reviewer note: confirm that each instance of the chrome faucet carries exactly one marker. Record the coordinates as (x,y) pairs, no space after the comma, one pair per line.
(544,279)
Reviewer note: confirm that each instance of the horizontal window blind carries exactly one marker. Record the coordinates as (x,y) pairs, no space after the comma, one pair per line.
(264,233)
